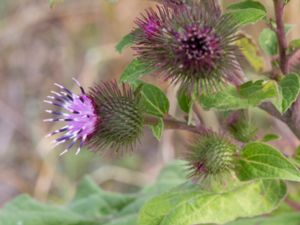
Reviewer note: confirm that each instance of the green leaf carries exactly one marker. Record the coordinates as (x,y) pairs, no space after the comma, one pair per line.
(134,71)
(158,129)
(261,161)
(246,5)
(191,205)
(130,219)
(268,42)
(172,175)
(251,52)
(293,45)
(127,41)
(26,211)
(286,218)
(154,101)
(184,100)
(270,137)
(250,94)
(290,89)
(52,3)
(91,201)
(247,16)
(296,157)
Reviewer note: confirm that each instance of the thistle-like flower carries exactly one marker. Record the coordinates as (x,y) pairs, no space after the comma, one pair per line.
(211,155)
(107,116)
(193,47)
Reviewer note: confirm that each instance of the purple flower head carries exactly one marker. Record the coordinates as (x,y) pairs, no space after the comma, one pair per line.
(198,48)
(193,47)
(106,117)
(80,116)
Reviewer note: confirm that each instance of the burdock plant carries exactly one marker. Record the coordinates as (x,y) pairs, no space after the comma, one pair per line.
(198,45)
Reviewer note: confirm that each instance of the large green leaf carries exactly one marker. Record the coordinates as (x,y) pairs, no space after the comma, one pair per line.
(127,41)
(172,175)
(250,94)
(191,205)
(91,205)
(287,218)
(92,201)
(130,219)
(134,71)
(26,211)
(290,89)
(259,160)
(154,101)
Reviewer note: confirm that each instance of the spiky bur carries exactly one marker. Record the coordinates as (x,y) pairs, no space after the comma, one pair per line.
(211,156)
(193,47)
(107,116)
(121,116)
(240,127)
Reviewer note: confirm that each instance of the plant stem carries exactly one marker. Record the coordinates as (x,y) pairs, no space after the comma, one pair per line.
(280,32)
(172,123)
(292,204)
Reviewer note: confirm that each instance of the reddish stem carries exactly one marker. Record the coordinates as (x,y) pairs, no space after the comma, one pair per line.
(280,32)
(172,123)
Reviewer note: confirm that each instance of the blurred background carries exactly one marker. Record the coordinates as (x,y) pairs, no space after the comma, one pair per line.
(40,45)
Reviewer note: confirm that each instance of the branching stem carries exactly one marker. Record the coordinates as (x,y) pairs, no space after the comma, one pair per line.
(172,123)
(281,36)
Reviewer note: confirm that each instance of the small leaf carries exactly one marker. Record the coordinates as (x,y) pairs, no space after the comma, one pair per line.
(154,101)
(127,41)
(250,94)
(270,137)
(296,157)
(191,205)
(294,44)
(184,100)
(268,42)
(52,3)
(134,71)
(290,89)
(158,129)
(247,16)
(246,5)
(251,51)
(261,161)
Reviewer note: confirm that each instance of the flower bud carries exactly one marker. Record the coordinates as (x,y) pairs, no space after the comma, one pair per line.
(241,128)
(211,155)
